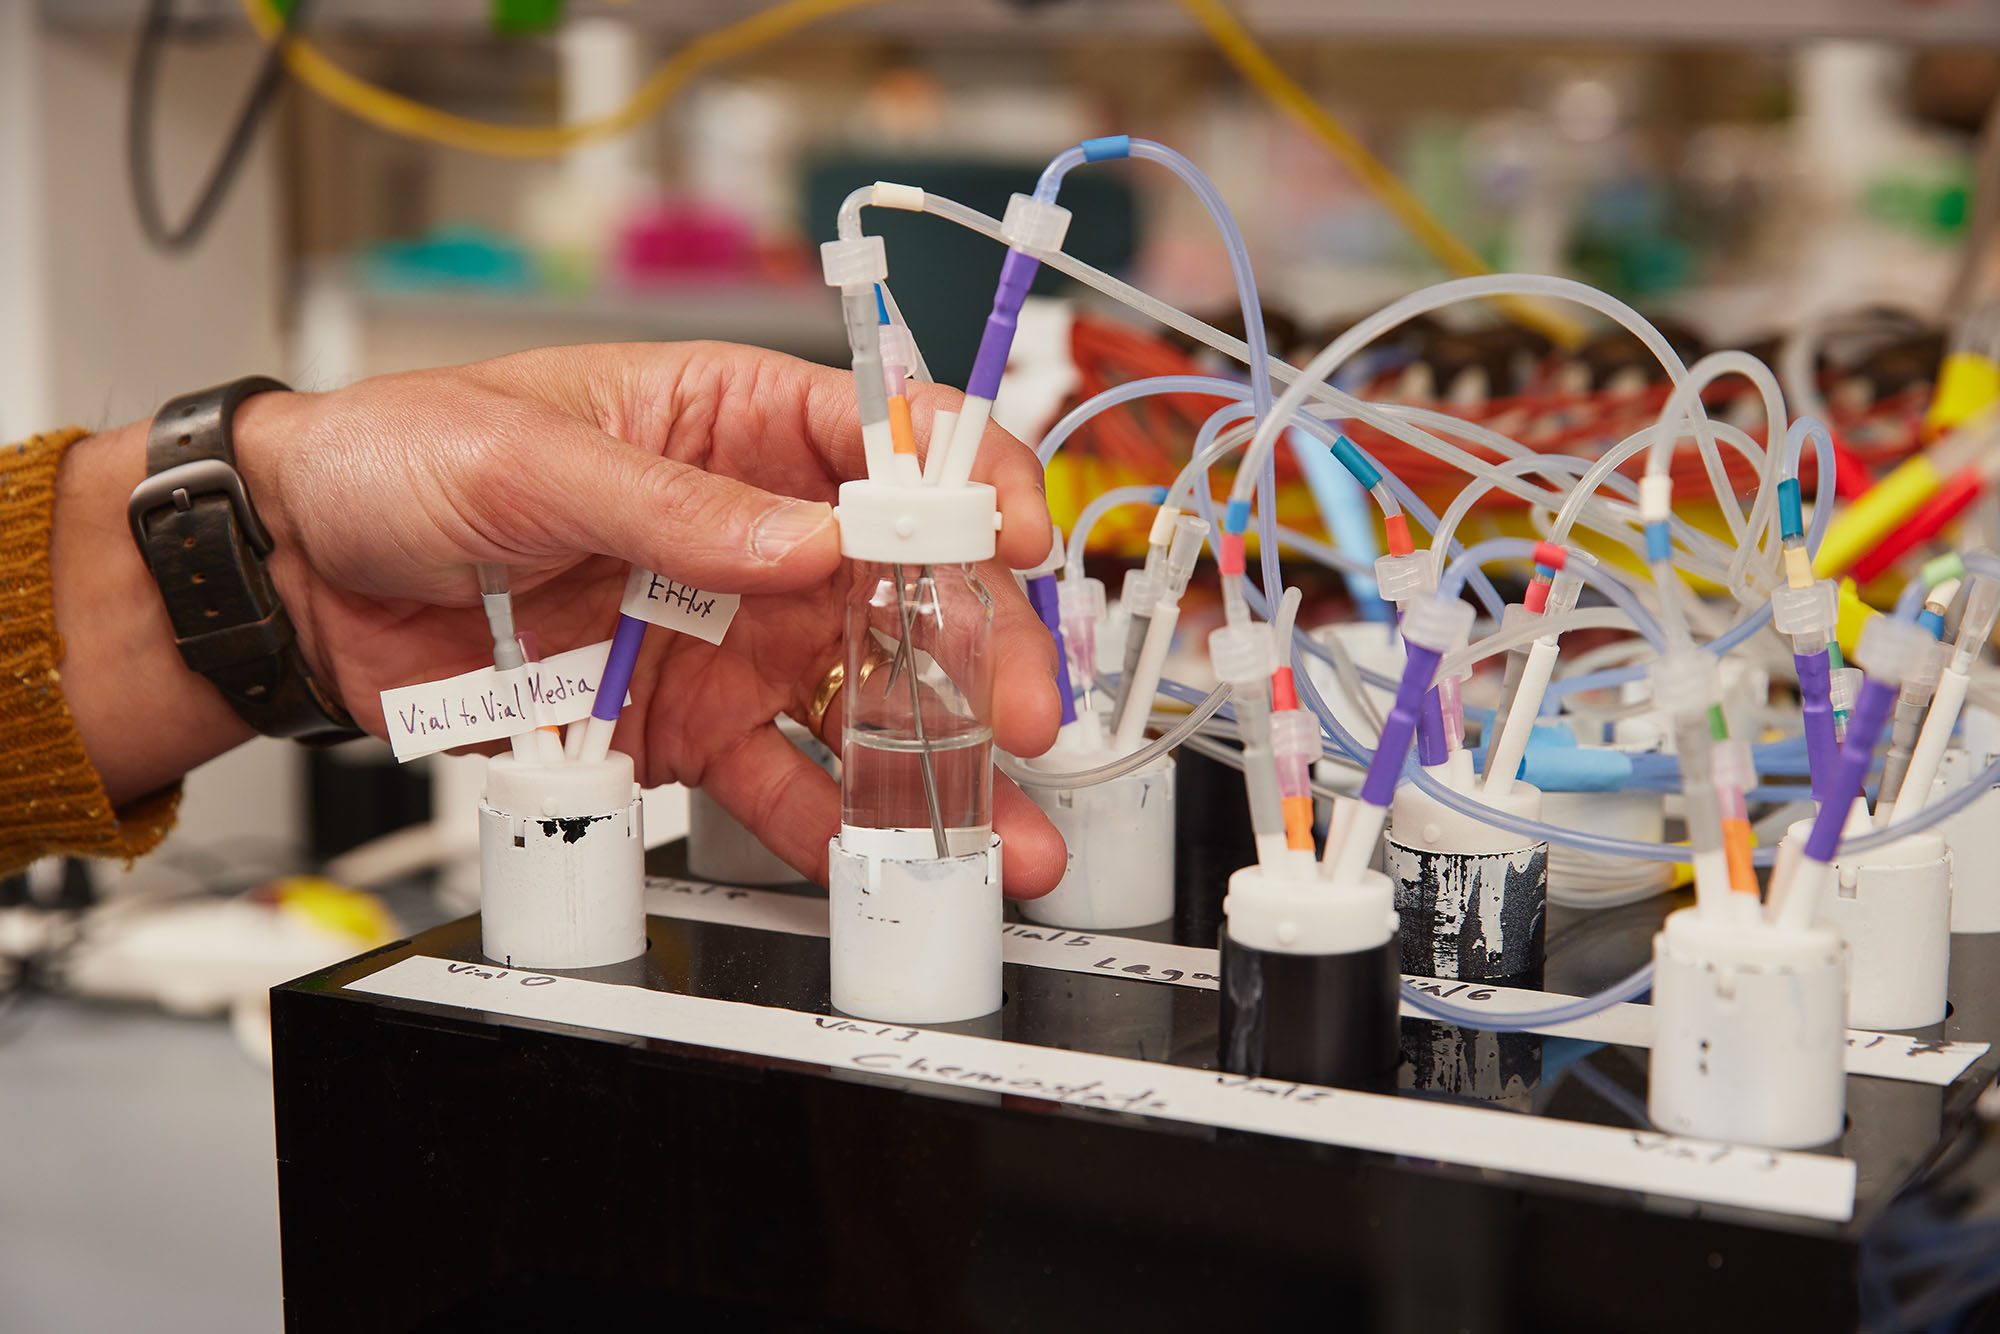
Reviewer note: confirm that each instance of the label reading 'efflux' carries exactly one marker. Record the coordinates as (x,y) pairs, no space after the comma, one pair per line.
(486,705)
(661,601)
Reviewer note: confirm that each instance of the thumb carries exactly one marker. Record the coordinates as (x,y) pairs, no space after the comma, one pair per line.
(713,532)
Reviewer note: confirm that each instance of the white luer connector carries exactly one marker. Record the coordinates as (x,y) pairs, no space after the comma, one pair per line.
(1034,226)
(1750,1032)
(858,261)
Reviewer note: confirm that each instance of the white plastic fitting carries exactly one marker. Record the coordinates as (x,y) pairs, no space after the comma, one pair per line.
(913,942)
(1806,612)
(1241,654)
(1301,913)
(1893,907)
(1402,578)
(917,525)
(1439,624)
(561,863)
(1034,226)
(908,198)
(859,261)
(1120,837)
(1750,1032)
(1893,650)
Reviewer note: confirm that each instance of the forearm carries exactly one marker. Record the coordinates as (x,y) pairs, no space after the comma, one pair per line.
(144,716)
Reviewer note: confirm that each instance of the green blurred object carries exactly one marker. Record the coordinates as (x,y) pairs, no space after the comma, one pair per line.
(1935,206)
(525,18)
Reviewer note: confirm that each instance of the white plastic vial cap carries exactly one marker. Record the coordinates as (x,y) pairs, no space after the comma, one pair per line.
(1241,654)
(1803,611)
(1401,578)
(1030,224)
(1893,650)
(858,262)
(1685,682)
(1439,624)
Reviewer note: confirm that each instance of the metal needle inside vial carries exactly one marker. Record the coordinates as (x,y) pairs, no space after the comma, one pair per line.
(917,718)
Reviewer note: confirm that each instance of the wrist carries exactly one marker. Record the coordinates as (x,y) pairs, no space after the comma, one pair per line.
(144,717)
(263,430)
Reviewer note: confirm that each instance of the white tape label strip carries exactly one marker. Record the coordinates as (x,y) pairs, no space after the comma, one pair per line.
(1803,1184)
(661,601)
(1885,1055)
(485,705)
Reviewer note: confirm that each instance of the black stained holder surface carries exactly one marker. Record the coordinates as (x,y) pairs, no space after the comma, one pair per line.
(445,1169)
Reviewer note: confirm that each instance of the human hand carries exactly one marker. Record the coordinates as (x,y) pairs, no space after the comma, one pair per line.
(714,464)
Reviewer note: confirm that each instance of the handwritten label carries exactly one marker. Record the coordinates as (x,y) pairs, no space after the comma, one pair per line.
(1803,1184)
(677,606)
(1883,1055)
(485,705)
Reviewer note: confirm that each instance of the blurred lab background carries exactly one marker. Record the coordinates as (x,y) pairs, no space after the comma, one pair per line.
(176,210)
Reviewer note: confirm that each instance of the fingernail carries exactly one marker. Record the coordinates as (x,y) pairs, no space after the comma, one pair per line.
(784,527)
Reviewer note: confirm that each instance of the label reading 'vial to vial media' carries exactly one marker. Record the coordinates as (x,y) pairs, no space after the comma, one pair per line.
(485,705)
(665,602)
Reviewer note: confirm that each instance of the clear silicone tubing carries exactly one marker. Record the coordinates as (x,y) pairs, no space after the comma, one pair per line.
(1516,1021)
(1619,524)
(1520,548)
(1248,301)
(1686,396)
(1431,298)
(1127,764)
(1215,387)
(1102,505)
(1343,405)
(1813,429)
(1310,379)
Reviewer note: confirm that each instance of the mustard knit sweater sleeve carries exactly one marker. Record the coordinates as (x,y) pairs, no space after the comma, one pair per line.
(51,800)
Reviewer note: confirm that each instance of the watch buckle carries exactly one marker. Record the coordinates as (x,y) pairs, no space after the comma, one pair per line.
(181,484)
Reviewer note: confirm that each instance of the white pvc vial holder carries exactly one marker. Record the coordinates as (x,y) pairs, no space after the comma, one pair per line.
(1120,837)
(1033,225)
(859,261)
(1750,1032)
(1893,907)
(914,940)
(561,864)
(1473,897)
(722,850)
(1973,835)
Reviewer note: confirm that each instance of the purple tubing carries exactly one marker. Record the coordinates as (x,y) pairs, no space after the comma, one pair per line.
(1017,271)
(1419,666)
(618,668)
(1431,745)
(1042,597)
(1816,703)
(1857,754)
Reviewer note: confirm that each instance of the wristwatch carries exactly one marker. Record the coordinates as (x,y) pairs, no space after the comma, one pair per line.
(201,538)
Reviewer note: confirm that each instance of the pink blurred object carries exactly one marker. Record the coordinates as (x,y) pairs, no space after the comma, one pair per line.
(677,240)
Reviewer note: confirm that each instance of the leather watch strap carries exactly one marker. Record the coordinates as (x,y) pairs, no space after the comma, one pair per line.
(200,536)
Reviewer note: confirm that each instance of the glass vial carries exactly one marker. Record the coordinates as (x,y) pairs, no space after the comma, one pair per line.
(917,736)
